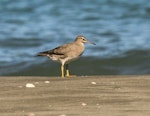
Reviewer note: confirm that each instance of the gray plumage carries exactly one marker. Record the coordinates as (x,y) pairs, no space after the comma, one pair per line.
(67,52)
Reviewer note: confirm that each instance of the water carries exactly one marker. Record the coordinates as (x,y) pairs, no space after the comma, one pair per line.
(120,28)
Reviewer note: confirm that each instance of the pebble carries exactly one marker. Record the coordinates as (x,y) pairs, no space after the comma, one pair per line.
(20,86)
(30,114)
(30,85)
(94,83)
(47,82)
(83,104)
(62,115)
(36,82)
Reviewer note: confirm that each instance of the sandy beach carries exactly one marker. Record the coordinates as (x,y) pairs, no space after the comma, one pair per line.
(76,96)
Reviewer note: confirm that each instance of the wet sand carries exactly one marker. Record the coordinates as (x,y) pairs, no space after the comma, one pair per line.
(76,96)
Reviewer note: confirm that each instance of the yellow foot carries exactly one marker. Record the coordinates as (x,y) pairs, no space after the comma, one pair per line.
(67,72)
(62,76)
(68,76)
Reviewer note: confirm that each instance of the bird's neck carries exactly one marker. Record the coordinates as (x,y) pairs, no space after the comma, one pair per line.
(79,43)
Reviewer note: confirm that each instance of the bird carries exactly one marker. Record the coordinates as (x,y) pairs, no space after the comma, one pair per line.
(67,53)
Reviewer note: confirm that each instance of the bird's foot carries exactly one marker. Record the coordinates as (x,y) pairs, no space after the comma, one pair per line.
(68,76)
(67,72)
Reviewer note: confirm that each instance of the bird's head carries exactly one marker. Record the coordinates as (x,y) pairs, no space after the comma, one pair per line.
(82,39)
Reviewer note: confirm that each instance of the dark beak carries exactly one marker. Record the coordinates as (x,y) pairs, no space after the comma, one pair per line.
(90,42)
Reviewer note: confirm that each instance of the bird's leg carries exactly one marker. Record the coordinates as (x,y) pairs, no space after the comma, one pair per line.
(62,70)
(67,70)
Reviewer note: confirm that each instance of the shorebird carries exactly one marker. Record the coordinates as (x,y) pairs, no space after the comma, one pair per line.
(67,53)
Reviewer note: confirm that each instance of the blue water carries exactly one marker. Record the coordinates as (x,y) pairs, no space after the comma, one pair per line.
(120,29)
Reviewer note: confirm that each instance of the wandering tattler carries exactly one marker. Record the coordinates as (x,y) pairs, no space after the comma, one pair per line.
(67,53)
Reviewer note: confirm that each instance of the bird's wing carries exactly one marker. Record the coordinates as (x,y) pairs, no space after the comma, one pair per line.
(61,50)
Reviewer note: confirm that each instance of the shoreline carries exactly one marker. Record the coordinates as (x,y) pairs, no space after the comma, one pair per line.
(80,96)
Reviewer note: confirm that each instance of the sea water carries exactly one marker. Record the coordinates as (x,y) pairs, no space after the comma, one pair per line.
(120,29)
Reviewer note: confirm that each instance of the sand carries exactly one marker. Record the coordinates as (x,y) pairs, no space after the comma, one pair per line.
(76,96)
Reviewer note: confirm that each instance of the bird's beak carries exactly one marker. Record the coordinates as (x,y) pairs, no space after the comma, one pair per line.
(90,42)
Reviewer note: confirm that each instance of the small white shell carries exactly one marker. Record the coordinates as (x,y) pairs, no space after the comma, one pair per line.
(47,82)
(83,104)
(62,115)
(30,85)
(94,83)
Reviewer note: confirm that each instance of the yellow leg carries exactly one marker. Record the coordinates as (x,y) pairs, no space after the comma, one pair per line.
(62,71)
(67,71)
